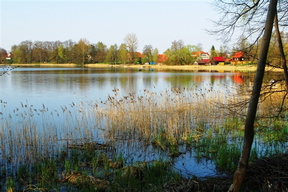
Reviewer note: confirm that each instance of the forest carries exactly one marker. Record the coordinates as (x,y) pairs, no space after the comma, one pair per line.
(83,52)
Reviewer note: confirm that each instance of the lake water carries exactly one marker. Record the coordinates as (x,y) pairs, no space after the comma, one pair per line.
(56,89)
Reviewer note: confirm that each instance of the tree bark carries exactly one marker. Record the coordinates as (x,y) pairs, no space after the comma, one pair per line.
(252,108)
(281,49)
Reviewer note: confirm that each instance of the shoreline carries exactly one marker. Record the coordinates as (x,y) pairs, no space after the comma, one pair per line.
(216,68)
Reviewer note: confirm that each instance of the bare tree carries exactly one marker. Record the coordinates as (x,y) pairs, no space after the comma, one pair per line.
(147,54)
(131,42)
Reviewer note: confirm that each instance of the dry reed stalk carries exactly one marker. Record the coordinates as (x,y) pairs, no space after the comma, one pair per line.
(181,113)
(135,117)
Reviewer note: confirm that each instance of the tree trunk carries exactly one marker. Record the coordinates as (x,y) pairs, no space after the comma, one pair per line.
(281,49)
(252,109)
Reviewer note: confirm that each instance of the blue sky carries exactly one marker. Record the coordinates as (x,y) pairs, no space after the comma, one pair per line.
(155,22)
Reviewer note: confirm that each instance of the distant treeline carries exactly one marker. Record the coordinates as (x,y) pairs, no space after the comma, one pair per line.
(83,52)
(66,52)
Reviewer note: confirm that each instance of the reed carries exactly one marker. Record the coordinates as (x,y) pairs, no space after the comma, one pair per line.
(102,139)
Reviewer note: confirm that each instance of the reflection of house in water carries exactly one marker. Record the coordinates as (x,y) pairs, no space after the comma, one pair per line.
(237,78)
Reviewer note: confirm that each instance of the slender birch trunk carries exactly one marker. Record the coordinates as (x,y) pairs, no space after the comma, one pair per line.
(252,109)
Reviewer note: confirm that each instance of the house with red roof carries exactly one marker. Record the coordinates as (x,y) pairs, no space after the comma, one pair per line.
(202,58)
(217,60)
(202,62)
(238,56)
(200,55)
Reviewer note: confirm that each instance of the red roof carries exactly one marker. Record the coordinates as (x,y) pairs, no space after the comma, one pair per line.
(206,61)
(238,54)
(219,59)
(198,53)
(227,60)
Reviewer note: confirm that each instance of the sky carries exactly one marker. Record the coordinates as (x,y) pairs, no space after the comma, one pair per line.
(155,22)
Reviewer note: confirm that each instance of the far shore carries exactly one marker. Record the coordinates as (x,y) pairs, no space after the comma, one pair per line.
(218,68)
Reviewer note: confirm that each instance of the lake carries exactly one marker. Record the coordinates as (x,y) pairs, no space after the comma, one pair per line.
(55,103)
(56,87)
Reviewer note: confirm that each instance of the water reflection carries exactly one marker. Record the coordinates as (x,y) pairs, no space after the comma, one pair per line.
(42,85)
(51,90)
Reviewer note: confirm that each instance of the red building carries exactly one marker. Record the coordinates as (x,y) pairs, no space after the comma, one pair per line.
(239,56)
(217,60)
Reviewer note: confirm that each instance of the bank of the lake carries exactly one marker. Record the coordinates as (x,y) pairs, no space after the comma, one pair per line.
(219,68)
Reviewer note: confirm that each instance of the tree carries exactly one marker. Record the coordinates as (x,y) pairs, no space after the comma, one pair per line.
(83,45)
(38,52)
(92,52)
(174,53)
(61,54)
(68,47)
(123,53)
(112,55)
(181,55)
(245,15)
(213,52)
(131,42)
(101,52)
(193,49)
(147,54)
(16,53)
(155,55)
(281,50)
(25,51)
(223,51)
(3,54)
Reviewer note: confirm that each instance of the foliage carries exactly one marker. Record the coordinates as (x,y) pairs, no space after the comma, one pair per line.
(179,54)
(112,55)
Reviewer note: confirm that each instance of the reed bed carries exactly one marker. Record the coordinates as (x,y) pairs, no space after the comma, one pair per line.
(176,112)
(145,127)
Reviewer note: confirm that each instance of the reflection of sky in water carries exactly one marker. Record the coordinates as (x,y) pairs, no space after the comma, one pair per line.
(57,87)
(54,90)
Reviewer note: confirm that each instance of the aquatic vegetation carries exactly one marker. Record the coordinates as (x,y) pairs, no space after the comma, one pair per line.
(138,137)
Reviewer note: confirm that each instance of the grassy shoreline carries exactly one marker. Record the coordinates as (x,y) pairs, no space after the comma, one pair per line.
(219,68)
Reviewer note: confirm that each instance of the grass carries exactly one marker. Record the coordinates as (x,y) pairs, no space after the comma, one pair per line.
(128,142)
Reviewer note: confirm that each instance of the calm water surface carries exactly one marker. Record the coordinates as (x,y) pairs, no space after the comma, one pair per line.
(55,88)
